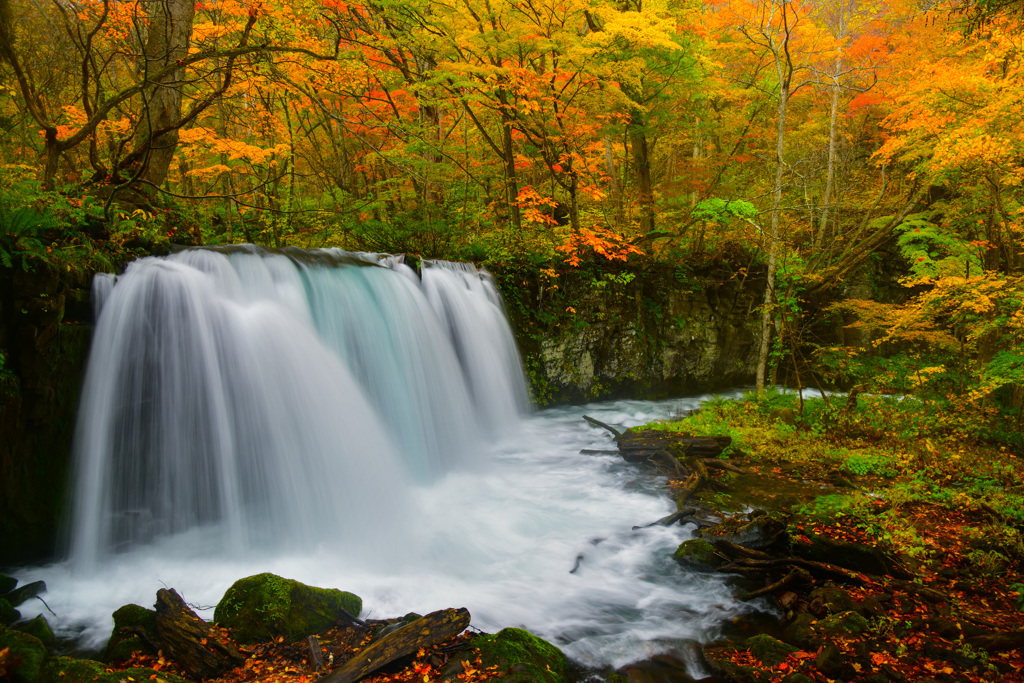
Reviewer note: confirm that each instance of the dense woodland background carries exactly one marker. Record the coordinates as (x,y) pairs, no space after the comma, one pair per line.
(859,160)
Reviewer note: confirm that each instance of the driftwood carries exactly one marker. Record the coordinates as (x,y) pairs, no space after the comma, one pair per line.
(189,641)
(425,631)
(797,574)
(654,440)
(597,423)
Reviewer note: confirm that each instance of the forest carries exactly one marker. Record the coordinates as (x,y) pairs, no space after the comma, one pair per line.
(800,144)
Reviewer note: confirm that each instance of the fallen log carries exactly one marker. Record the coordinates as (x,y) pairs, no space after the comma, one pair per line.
(827,570)
(424,632)
(189,641)
(719,464)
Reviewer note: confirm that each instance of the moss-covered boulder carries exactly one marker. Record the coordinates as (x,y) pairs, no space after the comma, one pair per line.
(697,554)
(768,650)
(40,628)
(7,583)
(125,639)
(8,615)
(23,656)
(265,606)
(845,624)
(522,657)
(69,670)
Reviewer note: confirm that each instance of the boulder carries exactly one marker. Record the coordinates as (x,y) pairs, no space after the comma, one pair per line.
(7,584)
(134,631)
(262,607)
(522,657)
(39,628)
(768,650)
(697,554)
(23,656)
(26,592)
(8,615)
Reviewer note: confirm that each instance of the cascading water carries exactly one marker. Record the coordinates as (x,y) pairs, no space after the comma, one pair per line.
(337,419)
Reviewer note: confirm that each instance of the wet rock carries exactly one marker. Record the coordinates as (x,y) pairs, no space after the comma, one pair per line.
(768,650)
(7,584)
(721,665)
(39,628)
(30,590)
(134,630)
(523,657)
(698,554)
(8,615)
(25,655)
(264,606)
(797,677)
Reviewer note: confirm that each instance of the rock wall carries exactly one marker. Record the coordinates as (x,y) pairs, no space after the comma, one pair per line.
(647,336)
(44,336)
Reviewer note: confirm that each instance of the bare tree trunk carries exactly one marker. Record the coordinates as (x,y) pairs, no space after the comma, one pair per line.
(642,159)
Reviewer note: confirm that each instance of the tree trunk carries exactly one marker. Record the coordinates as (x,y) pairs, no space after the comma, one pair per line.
(773,236)
(170,31)
(641,157)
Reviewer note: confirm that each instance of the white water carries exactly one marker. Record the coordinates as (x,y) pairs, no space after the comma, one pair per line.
(339,425)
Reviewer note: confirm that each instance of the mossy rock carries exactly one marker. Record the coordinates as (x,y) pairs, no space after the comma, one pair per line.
(522,657)
(845,624)
(769,650)
(800,631)
(8,615)
(265,606)
(698,554)
(24,661)
(7,583)
(70,670)
(124,639)
(39,628)
(764,531)
(834,599)
(718,658)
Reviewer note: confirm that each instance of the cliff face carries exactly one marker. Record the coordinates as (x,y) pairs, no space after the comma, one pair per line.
(637,335)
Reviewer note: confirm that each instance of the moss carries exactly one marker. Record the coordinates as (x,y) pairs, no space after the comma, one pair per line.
(39,628)
(697,553)
(8,615)
(7,583)
(265,606)
(845,624)
(523,657)
(69,670)
(24,661)
(768,650)
(124,639)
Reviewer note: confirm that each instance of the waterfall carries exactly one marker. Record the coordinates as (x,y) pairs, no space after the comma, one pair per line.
(267,395)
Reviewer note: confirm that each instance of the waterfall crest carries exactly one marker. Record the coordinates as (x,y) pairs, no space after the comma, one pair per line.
(268,394)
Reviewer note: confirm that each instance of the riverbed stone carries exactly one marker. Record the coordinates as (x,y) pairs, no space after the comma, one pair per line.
(40,628)
(7,583)
(25,655)
(800,631)
(845,624)
(264,606)
(522,657)
(698,554)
